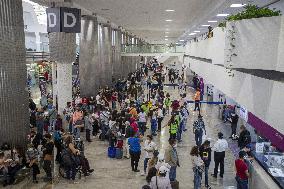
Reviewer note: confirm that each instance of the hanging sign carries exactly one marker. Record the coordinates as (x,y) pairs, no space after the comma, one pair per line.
(63,19)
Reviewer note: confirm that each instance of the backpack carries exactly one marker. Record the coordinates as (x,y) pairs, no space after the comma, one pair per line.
(66,156)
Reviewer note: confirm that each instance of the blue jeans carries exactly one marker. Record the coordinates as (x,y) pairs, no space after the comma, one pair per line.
(179,132)
(71,172)
(184,124)
(206,176)
(173,173)
(153,126)
(198,137)
(197,179)
(146,163)
(77,132)
(142,127)
(241,184)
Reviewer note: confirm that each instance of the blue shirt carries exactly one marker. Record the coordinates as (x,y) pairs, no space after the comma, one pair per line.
(134,144)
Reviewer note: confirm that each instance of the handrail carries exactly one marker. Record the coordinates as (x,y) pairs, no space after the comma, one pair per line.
(152,48)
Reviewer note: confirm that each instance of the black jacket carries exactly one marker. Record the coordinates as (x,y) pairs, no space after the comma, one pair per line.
(205,155)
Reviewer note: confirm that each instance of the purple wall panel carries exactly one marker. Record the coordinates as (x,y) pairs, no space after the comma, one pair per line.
(265,130)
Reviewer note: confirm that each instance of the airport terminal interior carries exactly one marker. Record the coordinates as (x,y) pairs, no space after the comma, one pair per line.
(142,94)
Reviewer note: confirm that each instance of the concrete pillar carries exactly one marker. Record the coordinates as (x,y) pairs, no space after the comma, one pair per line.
(89,62)
(107,76)
(62,48)
(117,65)
(14,111)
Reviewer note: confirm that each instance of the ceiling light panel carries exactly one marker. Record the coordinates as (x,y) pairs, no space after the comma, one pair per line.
(196,31)
(212,21)
(170,10)
(205,25)
(169,20)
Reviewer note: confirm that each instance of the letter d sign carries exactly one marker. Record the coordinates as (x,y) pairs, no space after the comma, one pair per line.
(63,19)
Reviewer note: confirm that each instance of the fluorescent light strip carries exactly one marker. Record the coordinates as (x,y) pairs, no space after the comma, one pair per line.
(170,10)
(169,20)
(181,40)
(223,15)
(205,25)
(166,39)
(192,33)
(212,21)
(237,5)
(196,31)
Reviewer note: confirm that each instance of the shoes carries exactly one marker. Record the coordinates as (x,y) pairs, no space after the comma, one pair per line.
(86,174)
(143,174)
(215,176)
(208,187)
(137,170)
(91,170)
(35,181)
(89,140)
(221,176)
(230,137)
(184,130)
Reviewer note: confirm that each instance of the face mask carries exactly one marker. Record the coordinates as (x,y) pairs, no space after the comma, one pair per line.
(175,146)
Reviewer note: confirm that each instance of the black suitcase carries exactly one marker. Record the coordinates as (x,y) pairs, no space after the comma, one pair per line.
(175,184)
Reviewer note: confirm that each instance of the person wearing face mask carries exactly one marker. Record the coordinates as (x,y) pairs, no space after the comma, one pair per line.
(171,157)
(161,181)
(149,147)
(161,162)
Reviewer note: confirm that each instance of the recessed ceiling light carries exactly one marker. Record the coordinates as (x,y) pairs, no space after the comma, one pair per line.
(166,36)
(196,31)
(167,29)
(181,40)
(237,5)
(170,10)
(169,20)
(205,25)
(177,43)
(212,21)
(192,33)
(167,32)
(166,39)
(223,15)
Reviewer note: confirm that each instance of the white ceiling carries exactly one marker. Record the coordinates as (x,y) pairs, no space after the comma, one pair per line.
(146,18)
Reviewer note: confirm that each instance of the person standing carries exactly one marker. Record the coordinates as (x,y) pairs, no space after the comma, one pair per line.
(171,157)
(160,117)
(205,154)
(134,151)
(197,100)
(48,157)
(197,167)
(244,138)
(219,149)
(142,120)
(67,112)
(88,125)
(198,129)
(234,123)
(242,173)
(149,148)
(173,127)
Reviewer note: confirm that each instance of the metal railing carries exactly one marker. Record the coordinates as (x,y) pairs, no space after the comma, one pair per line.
(152,48)
(32,55)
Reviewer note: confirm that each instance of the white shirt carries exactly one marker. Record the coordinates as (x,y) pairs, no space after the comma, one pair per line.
(98,99)
(149,148)
(163,183)
(197,161)
(220,146)
(142,117)
(160,113)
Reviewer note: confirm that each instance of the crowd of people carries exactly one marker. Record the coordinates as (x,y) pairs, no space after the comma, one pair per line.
(120,115)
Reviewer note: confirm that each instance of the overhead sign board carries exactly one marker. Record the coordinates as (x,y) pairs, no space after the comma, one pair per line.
(63,19)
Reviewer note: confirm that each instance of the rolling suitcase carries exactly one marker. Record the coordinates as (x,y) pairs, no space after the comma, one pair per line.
(175,184)
(111,152)
(118,153)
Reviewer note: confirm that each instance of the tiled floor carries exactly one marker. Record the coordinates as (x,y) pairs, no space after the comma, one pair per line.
(113,173)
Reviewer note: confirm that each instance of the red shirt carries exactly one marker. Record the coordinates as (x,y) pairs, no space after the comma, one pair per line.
(134,125)
(241,168)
